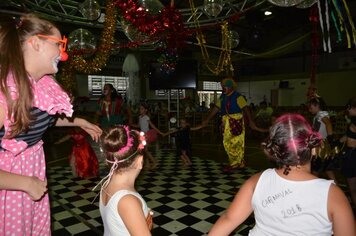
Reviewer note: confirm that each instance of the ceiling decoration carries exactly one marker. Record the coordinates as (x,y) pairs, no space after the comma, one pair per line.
(306,4)
(224,62)
(213,7)
(285,3)
(69,12)
(90,9)
(96,62)
(256,35)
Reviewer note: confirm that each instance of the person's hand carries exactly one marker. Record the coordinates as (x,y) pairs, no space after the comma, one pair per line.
(149,220)
(93,130)
(198,127)
(204,124)
(254,127)
(36,188)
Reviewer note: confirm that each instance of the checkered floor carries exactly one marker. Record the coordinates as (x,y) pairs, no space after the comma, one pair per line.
(184,201)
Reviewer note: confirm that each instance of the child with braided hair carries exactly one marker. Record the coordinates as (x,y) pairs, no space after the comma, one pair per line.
(123,210)
(288,199)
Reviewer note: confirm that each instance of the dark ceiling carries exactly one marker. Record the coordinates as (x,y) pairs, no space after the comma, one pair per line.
(258,33)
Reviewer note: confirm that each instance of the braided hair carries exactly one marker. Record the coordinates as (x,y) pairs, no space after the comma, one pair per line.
(290,141)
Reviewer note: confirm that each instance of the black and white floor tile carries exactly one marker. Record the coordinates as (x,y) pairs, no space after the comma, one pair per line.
(185,201)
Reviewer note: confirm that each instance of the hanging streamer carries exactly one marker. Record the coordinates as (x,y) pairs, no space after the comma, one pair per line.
(327,25)
(338,33)
(353,30)
(322,26)
(342,23)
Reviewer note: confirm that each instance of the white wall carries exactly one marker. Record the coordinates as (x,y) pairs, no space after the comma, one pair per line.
(336,88)
(257,91)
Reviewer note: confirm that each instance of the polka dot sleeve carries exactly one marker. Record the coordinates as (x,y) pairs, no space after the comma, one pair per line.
(50,97)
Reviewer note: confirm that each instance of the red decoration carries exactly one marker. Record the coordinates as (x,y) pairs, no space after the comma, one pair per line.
(167,26)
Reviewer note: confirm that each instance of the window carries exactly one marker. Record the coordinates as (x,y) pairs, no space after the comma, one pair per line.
(211,86)
(164,93)
(96,84)
(210,93)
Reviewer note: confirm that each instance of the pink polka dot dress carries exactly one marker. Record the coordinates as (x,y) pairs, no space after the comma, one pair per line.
(24,155)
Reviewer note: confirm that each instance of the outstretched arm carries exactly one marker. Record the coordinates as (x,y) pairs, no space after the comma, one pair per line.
(252,124)
(155,128)
(205,122)
(196,127)
(238,211)
(93,130)
(170,132)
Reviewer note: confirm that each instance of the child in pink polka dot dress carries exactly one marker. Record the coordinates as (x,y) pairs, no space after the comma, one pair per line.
(30,49)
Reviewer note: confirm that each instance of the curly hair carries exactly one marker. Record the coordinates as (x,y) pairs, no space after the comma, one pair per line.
(290,141)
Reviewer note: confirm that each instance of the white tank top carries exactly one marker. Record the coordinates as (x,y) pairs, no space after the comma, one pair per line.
(319,125)
(113,224)
(143,122)
(285,207)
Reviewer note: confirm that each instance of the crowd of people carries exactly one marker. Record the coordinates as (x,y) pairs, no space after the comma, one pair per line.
(289,199)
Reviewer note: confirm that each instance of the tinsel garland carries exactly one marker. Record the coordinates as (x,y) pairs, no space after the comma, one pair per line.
(77,62)
(224,62)
(107,40)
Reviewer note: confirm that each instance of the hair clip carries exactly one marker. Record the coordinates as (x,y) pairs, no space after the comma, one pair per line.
(143,141)
(129,143)
(18,22)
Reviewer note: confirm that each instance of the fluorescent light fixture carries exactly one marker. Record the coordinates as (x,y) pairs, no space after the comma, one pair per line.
(268,13)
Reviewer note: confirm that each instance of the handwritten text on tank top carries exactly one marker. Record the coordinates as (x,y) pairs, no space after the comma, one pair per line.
(291,211)
(270,200)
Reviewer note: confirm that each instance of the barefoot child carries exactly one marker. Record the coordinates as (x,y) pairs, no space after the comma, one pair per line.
(183,144)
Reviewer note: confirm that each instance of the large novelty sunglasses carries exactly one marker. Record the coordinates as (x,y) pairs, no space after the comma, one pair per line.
(62,43)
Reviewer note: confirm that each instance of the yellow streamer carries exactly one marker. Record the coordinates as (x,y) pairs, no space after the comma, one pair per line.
(342,22)
(224,62)
(350,21)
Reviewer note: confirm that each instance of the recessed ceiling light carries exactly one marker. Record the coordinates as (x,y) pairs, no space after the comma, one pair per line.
(268,13)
